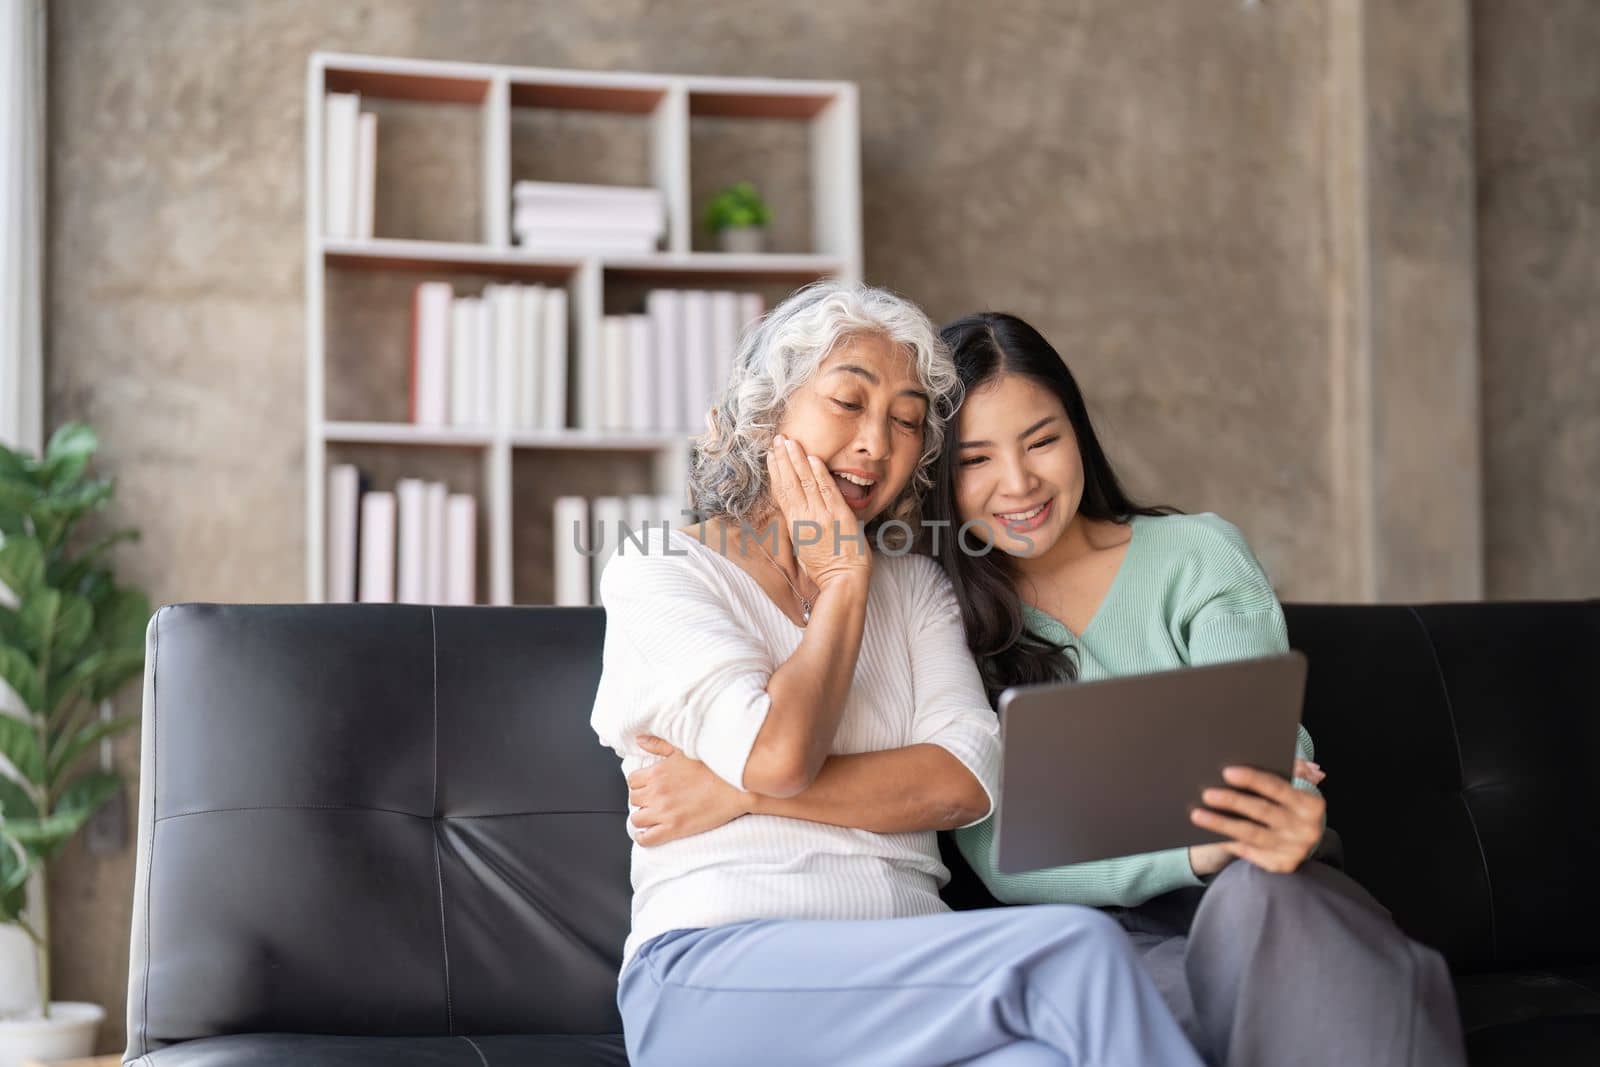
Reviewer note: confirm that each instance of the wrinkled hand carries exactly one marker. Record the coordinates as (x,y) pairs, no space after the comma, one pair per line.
(678,797)
(813,511)
(1275,826)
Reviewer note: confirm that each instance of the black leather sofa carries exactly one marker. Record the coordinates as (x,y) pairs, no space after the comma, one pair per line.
(385,835)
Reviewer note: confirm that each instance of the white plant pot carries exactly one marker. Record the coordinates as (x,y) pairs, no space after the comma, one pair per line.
(19,960)
(68,1034)
(19,972)
(746,239)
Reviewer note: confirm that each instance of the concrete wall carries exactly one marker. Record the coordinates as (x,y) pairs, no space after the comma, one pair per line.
(1537,96)
(1247,225)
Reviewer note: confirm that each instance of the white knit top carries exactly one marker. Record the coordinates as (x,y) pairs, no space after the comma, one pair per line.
(691,641)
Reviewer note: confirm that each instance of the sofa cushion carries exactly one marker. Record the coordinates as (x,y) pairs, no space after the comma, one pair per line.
(1550,1017)
(379,820)
(1459,741)
(321,1050)
(1559,1041)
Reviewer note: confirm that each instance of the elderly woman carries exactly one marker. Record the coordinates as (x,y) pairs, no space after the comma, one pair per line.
(789,645)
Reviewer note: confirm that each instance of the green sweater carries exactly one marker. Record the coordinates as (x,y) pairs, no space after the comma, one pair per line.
(1189,592)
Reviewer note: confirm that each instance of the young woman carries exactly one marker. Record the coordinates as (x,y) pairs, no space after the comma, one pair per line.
(1060,575)
(797,713)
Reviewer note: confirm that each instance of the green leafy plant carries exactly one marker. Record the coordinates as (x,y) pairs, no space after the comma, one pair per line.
(70,637)
(736,206)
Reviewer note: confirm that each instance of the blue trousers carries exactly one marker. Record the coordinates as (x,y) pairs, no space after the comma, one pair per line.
(1042,986)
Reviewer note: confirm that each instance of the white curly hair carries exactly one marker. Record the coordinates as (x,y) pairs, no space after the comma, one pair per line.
(780,353)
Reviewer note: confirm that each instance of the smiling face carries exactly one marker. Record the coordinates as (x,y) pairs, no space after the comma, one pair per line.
(862,414)
(1018,470)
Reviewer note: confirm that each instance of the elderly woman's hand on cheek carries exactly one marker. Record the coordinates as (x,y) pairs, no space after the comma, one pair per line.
(826,533)
(679,797)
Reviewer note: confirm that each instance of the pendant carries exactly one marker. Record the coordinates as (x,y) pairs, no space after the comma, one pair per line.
(805,612)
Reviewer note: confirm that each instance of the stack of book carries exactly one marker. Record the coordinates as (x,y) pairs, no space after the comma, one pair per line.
(499,359)
(415,545)
(591,220)
(589,532)
(349,166)
(659,371)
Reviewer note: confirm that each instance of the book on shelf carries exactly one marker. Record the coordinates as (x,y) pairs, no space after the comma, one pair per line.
(501,359)
(344,522)
(751,307)
(642,216)
(643,370)
(349,166)
(698,361)
(552,359)
(607,514)
(411,502)
(377,548)
(640,514)
(665,308)
(504,358)
(589,533)
(527,381)
(340,132)
(462,357)
(431,324)
(483,363)
(571,541)
(658,371)
(400,546)
(366,173)
(575,242)
(565,218)
(625,206)
(434,563)
(593,412)
(613,378)
(724,337)
(461,549)
(505,308)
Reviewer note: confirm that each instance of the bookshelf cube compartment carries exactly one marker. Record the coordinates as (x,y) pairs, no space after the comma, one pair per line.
(591,148)
(430,171)
(796,142)
(433,133)
(606,130)
(368,325)
(537,479)
(462,469)
(368,346)
(652,388)
(771,154)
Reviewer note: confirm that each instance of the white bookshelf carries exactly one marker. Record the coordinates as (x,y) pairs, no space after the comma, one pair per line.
(667,102)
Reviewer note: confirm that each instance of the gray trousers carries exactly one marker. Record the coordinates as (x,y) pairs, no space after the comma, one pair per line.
(1303,969)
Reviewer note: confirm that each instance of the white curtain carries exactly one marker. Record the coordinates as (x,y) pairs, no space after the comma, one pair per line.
(22,147)
(22,171)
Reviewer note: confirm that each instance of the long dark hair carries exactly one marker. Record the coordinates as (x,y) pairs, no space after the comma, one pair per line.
(986,345)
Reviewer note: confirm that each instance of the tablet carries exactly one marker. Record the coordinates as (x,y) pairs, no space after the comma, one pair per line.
(1092,770)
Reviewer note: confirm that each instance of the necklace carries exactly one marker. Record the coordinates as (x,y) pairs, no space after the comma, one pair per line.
(805,603)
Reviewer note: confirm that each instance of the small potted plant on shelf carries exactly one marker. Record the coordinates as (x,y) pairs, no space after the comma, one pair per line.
(739,217)
(70,638)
